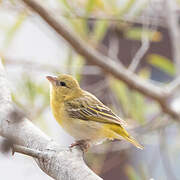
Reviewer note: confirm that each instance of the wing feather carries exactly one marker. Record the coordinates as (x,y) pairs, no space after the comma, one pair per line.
(89,108)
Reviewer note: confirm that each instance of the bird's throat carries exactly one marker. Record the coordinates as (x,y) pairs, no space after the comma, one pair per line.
(56,106)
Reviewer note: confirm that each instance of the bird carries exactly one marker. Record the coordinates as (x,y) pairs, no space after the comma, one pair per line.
(83,115)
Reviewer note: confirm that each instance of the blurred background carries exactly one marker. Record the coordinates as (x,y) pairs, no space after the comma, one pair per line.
(139,34)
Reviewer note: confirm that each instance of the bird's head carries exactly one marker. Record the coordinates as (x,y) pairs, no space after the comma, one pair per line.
(64,87)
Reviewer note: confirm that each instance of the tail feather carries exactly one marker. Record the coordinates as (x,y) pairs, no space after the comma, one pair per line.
(133,141)
(119,132)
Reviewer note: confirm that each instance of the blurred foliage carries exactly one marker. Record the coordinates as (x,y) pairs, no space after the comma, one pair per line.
(14,28)
(74,64)
(131,173)
(162,63)
(178,2)
(34,96)
(103,7)
(133,103)
(99,30)
(135,33)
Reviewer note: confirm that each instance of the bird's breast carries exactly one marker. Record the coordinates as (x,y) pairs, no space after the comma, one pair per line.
(77,128)
(58,111)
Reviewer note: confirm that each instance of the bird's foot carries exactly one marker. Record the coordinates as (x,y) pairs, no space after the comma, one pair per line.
(83,144)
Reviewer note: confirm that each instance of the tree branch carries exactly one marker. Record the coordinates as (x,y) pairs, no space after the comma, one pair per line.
(143,49)
(174,31)
(174,85)
(107,64)
(27,151)
(58,163)
(139,20)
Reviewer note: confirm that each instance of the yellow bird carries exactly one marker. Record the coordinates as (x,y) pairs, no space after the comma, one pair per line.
(83,116)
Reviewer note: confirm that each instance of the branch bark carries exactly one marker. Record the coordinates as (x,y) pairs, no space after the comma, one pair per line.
(108,65)
(58,163)
(174,31)
(27,151)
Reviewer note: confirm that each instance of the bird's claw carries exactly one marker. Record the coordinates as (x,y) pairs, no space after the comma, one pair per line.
(83,144)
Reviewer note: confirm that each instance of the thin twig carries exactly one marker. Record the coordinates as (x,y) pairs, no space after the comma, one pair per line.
(135,20)
(142,50)
(113,48)
(139,20)
(174,85)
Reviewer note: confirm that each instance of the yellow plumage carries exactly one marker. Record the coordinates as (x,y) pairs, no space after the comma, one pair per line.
(82,115)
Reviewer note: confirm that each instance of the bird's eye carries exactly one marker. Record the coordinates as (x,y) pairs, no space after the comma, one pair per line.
(60,83)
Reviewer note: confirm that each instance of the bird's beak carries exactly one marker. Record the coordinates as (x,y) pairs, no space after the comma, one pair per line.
(52,79)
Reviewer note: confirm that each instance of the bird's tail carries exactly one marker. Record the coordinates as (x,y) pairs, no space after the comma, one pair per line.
(119,132)
(133,141)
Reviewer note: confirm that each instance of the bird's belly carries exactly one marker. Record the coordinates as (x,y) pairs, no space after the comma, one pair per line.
(81,129)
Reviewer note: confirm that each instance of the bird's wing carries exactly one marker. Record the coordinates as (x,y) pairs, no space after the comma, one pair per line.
(88,107)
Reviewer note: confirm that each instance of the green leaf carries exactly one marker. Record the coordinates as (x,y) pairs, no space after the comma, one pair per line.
(120,89)
(133,103)
(136,34)
(100,29)
(78,66)
(80,26)
(90,5)
(162,63)
(145,73)
(138,107)
(131,173)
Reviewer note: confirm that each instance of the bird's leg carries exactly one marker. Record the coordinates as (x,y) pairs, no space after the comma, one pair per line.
(83,144)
